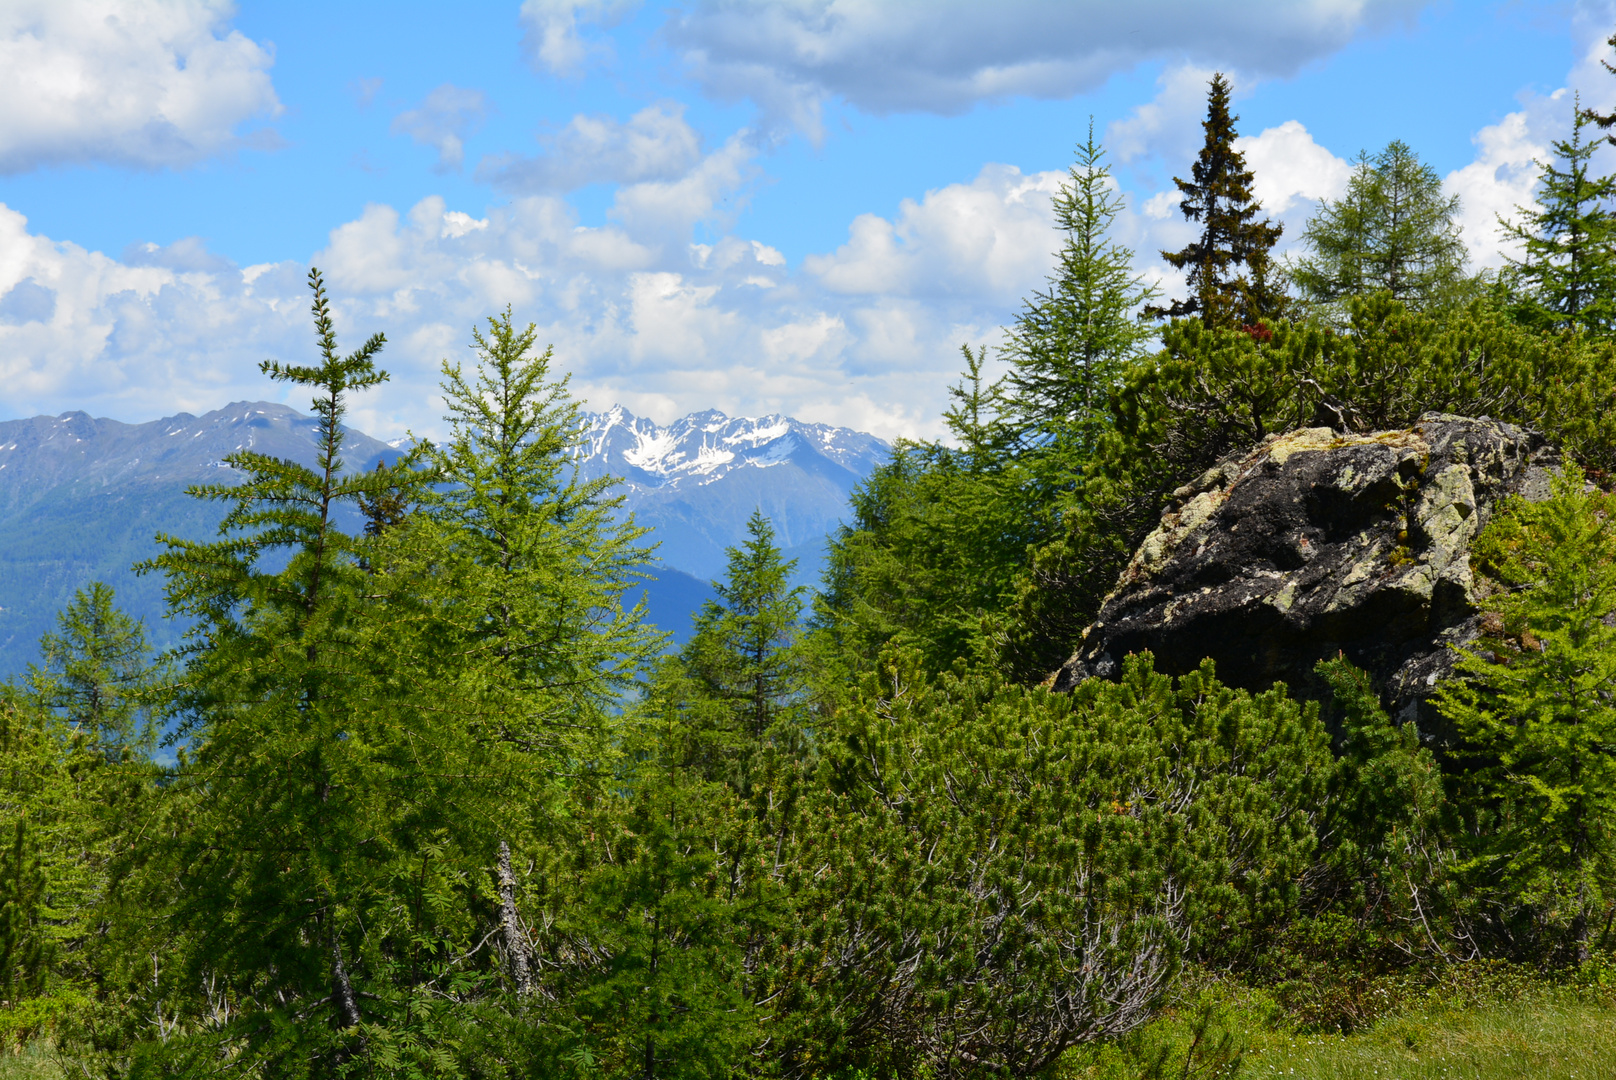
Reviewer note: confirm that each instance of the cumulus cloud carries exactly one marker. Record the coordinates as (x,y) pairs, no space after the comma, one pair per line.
(443,121)
(1500,179)
(866,335)
(654,144)
(988,238)
(147,84)
(1288,166)
(711,192)
(946,56)
(1169,125)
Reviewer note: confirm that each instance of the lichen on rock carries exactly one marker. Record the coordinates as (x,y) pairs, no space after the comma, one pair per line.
(1314,543)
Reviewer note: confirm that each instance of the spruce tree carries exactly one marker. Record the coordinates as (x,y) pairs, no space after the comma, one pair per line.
(1393,230)
(1568,275)
(1072,339)
(1537,708)
(1219,197)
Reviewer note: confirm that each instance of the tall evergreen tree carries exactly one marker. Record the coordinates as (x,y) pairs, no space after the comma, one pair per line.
(1393,230)
(1537,708)
(1072,339)
(1219,197)
(1568,274)
(743,653)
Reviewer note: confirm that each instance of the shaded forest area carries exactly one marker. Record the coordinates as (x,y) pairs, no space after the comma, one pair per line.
(438,805)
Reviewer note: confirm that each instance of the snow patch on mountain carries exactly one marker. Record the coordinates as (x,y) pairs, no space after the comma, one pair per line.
(705,447)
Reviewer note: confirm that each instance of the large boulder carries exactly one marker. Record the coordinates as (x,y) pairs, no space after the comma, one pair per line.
(1315,543)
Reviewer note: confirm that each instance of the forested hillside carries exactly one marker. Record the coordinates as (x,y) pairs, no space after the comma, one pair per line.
(442,805)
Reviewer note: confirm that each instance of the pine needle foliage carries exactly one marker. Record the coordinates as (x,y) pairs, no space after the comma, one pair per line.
(745,658)
(96,674)
(1218,196)
(528,562)
(310,786)
(1535,708)
(992,874)
(75,775)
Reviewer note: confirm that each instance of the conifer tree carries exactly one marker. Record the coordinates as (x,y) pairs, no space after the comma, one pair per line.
(530,562)
(75,735)
(1219,197)
(1568,238)
(1537,708)
(743,652)
(1393,230)
(96,674)
(314,787)
(1072,339)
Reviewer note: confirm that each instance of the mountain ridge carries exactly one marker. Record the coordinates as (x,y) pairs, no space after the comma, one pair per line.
(81,498)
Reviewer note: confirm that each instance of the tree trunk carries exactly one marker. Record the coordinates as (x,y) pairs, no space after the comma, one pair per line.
(516,946)
(341,989)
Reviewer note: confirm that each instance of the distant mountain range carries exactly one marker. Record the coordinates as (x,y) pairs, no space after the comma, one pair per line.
(697,480)
(82,498)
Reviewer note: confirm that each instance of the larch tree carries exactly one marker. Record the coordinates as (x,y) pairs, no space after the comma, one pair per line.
(1232,238)
(96,674)
(1567,275)
(295,880)
(1072,339)
(1535,708)
(1393,231)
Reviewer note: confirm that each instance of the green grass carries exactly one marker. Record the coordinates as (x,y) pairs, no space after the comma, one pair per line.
(1547,1036)
(31,1063)
(1480,1021)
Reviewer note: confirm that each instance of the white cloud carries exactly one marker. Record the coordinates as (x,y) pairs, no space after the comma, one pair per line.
(664,328)
(654,144)
(141,83)
(946,56)
(710,192)
(1287,165)
(1169,125)
(989,238)
(1500,179)
(552,38)
(442,121)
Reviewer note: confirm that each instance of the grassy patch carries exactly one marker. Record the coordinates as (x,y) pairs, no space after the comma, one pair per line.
(1479,1021)
(30,1063)
(1547,1036)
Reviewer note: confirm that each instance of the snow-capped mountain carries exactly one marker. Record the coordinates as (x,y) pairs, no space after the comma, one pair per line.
(698,479)
(705,447)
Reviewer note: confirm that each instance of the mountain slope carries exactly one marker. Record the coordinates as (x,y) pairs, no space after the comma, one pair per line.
(696,481)
(81,499)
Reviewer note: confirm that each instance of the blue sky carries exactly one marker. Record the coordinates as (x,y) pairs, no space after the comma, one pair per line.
(803,206)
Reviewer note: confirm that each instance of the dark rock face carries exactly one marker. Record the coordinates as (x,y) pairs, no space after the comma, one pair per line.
(1315,543)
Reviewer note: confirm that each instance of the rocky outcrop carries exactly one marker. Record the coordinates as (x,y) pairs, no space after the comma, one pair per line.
(1317,542)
